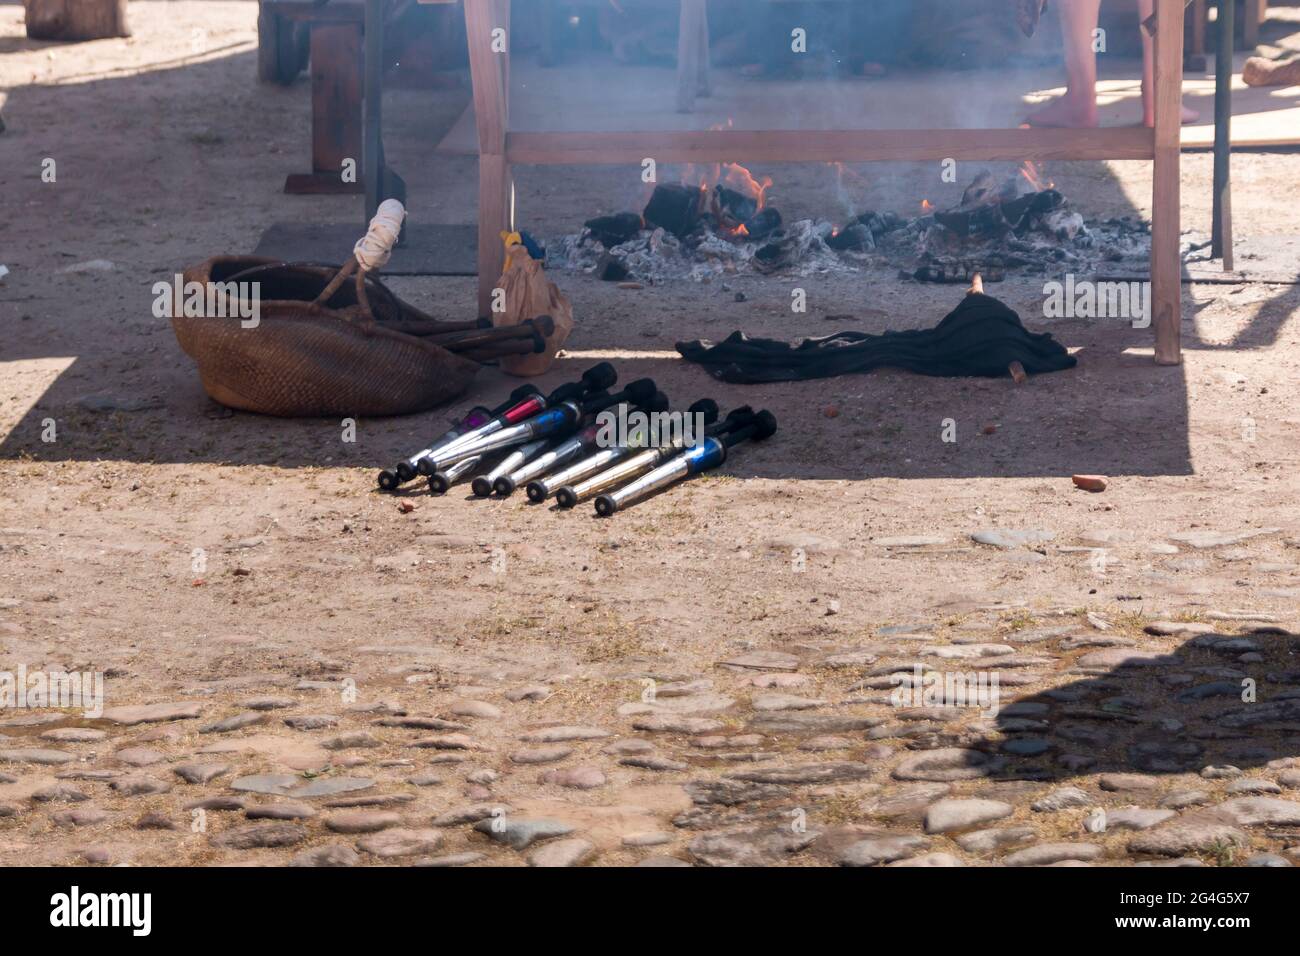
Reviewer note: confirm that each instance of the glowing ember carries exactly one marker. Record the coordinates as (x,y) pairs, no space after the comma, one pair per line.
(1030,171)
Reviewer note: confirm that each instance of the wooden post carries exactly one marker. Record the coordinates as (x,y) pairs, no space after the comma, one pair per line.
(692,54)
(490,74)
(1166,267)
(1196,35)
(372,87)
(76,19)
(1221,227)
(337,62)
(1253,13)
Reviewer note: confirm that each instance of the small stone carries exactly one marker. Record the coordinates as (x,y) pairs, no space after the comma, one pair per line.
(471,814)
(283,810)
(520,832)
(475,708)
(541,754)
(929,859)
(529,692)
(1008,539)
(452,859)
(561,853)
(311,721)
(947,815)
(882,849)
(1124,782)
(362,821)
(575,778)
(553,735)
(1181,799)
(1135,818)
(348,741)
(664,723)
(447,742)
(1092,483)
(277,783)
(153,713)
(1045,854)
(947,764)
(653,762)
(78,817)
(330,786)
(200,772)
(236,722)
(74,735)
(139,786)
(139,756)
(989,841)
(36,755)
(269,703)
(1062,799)
(336,854)
(156,821)
(1182,836)
(261,835)
(59,793)
(649,838)
(401,842)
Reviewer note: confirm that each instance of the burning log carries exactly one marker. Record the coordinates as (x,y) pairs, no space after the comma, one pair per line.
(675,208)
(855,237)
(765,222)
(956,273)
(614,230)
(732,207)
(611,268)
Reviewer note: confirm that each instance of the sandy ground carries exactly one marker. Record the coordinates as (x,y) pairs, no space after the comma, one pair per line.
(248,565)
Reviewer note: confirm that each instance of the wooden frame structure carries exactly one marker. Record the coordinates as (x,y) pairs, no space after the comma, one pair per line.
(500,149)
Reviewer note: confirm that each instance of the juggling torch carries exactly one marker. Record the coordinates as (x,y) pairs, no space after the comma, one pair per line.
(597,377)
(711,454)
(441,481)
(483,483)
(505,485)
(542,488)
(552,423)
(475,418)
(643,461)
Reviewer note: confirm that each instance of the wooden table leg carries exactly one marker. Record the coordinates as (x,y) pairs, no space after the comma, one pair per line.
(692,54)
(1253,15)
(336,125)
(1221,228)
(1195,57)
(490,73)
(1166,266)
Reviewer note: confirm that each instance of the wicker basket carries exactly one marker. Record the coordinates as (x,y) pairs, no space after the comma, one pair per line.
(348,356)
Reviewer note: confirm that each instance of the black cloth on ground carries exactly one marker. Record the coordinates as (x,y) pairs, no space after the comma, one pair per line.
(981,337)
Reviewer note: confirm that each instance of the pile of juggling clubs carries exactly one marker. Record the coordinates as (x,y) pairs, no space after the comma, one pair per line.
(551,445)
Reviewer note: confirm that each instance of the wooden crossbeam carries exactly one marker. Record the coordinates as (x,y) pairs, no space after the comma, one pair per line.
(845,146)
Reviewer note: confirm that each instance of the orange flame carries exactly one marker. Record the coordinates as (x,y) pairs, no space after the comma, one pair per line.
(926,206)
(1030,171)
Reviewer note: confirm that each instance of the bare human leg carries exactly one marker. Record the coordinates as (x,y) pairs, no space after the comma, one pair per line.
(1078,107)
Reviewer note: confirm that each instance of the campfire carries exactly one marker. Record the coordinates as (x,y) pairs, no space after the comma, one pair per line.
(720,223)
